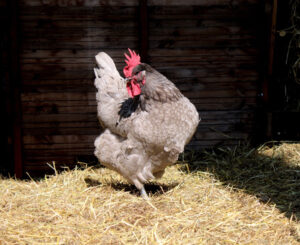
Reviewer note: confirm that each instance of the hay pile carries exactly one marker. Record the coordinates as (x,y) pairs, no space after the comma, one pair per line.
(214,200)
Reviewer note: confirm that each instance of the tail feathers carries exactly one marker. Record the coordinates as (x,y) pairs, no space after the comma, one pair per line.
(107,76)
(106,64)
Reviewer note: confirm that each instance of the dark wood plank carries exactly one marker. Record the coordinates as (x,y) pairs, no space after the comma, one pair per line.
(44,25)
(203,31)
(48,44)
(3,4)
(84,13)
(40,125)
(143,30)
(14,67)
(209,3)
(68,3)
(34,118)
(227,12)
(204,22)
(68,140)
(64,131)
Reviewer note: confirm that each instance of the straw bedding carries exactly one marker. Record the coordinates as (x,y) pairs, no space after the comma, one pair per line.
(226,196)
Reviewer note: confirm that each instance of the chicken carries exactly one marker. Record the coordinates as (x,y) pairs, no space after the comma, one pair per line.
(147,120)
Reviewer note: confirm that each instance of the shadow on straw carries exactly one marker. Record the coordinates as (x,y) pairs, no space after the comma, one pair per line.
(151,188)
(265,172)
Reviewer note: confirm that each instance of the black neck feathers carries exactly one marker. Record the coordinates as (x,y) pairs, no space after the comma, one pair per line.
(128,107)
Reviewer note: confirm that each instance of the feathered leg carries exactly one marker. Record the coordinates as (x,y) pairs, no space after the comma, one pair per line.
(141,188)
(118,154)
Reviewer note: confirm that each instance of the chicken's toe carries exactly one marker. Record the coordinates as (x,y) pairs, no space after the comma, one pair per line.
(144,194)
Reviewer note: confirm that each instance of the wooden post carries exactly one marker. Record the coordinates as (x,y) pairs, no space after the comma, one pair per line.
(271,49)
(271,19)
(272,37)
(15,87)
(143,30)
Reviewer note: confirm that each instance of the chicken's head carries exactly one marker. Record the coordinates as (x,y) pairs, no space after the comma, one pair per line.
(133,85)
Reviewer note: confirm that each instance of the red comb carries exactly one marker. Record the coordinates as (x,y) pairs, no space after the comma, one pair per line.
(132,61)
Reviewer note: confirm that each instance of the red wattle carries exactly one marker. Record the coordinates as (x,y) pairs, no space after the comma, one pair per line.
(133,88)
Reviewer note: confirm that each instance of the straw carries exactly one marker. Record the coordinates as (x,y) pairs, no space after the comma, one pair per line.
(225,196)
